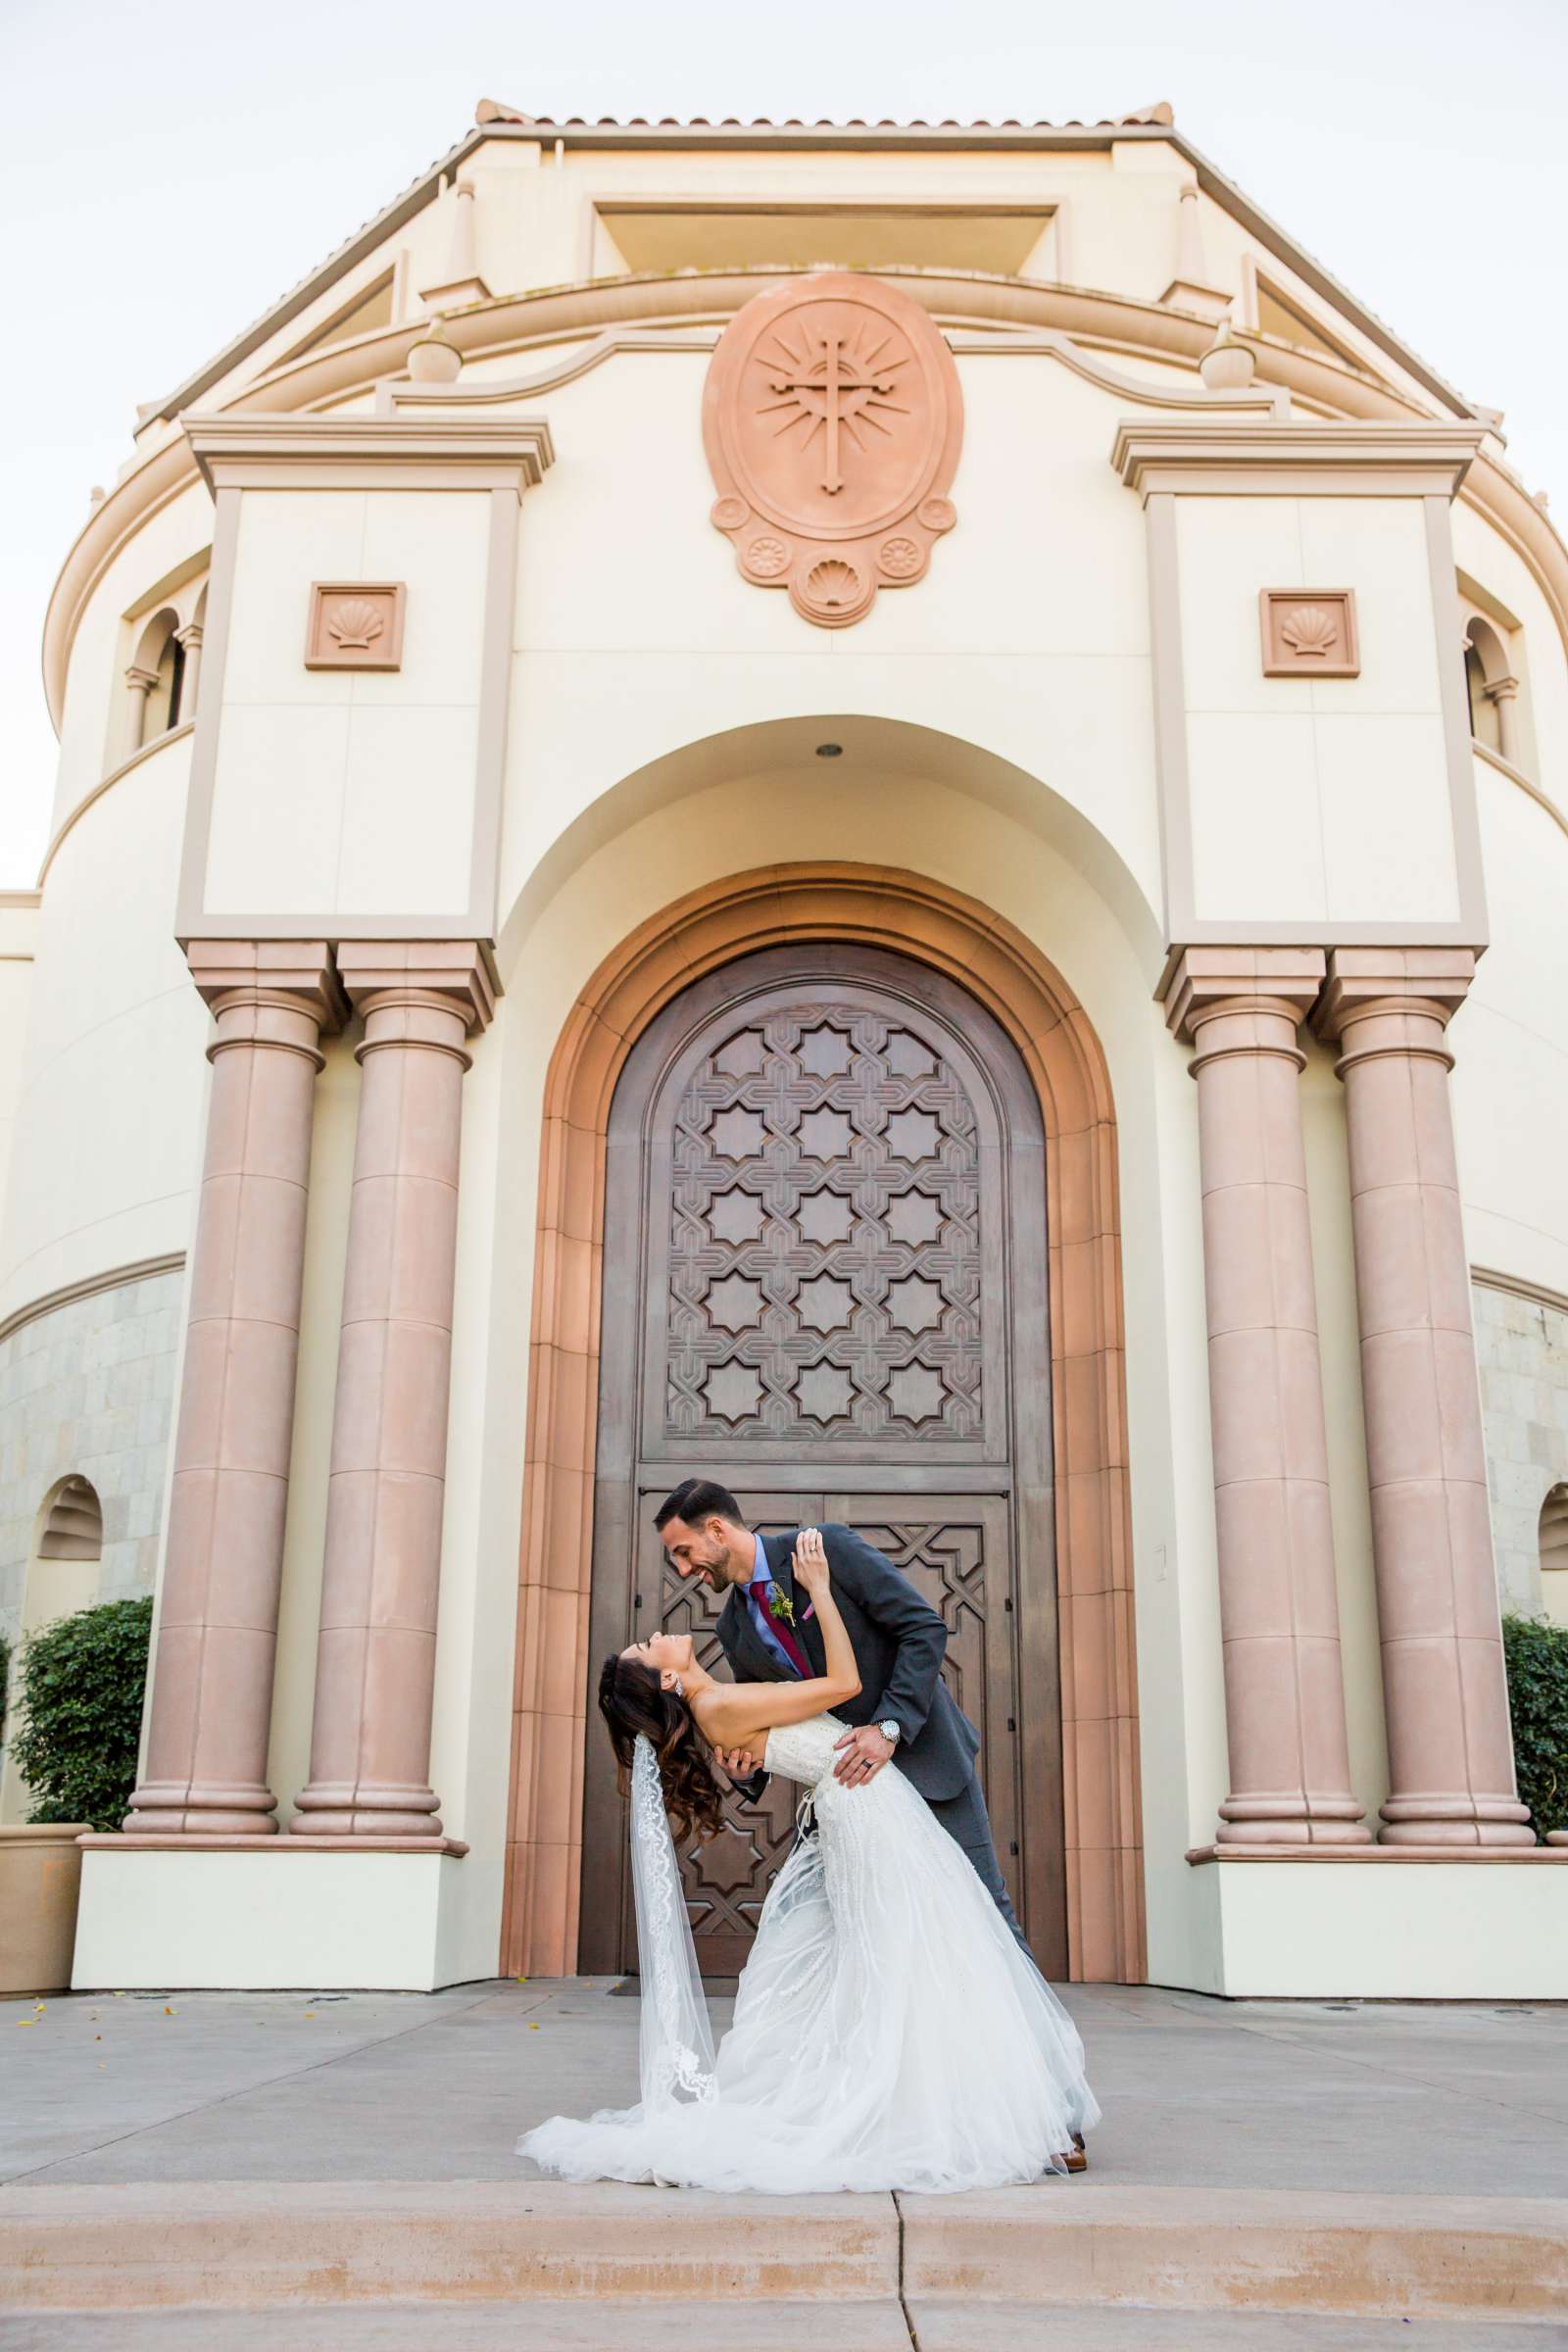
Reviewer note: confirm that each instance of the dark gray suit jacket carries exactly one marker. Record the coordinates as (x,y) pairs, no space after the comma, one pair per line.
(898,1643)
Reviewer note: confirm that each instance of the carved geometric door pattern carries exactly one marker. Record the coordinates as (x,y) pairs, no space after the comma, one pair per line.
(824,1285)
(824,1253)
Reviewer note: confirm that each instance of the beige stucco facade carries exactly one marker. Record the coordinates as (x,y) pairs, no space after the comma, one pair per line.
(418,878)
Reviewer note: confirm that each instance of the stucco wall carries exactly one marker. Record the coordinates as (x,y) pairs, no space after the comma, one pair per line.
(19,926)
(1510,1047)
(109,1114)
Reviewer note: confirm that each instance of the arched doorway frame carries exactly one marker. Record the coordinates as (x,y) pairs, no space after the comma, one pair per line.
(955,935)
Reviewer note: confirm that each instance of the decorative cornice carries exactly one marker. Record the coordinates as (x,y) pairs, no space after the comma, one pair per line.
(395,399)
(245,451)
(115,1278)
(493,122)
(558,313)
(1215,454)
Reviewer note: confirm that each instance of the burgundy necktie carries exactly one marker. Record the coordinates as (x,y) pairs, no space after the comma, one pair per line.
(777,1625)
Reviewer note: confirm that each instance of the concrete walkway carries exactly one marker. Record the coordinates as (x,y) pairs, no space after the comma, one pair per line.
(1265,2133)
(408,2086)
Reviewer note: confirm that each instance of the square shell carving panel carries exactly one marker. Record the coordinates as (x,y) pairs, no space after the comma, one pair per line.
(1309,633)
(355,624)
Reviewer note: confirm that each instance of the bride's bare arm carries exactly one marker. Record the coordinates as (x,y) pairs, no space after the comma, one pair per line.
(733,1715)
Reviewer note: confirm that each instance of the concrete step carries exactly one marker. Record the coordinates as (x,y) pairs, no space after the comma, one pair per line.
(971,2327)
(1399,2257)
(539,2323)
(254,2247)
(548,2324)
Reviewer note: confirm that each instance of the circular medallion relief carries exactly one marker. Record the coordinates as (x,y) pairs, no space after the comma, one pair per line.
(832,417)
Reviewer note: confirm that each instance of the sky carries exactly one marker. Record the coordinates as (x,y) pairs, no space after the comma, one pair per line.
(171,174)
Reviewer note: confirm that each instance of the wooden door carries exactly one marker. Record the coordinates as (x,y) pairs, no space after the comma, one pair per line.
(824,1285)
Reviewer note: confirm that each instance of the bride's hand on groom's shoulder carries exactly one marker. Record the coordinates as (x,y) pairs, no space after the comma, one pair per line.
(808,1565)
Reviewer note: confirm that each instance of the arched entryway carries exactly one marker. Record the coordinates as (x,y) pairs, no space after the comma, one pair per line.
(1032,1024)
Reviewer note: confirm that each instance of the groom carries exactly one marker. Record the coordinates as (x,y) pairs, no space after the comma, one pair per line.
(903,1714)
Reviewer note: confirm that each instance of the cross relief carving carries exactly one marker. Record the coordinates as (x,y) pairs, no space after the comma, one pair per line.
(834,384)
(833,421)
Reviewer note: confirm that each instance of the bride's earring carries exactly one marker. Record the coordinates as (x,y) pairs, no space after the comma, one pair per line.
(678,1688)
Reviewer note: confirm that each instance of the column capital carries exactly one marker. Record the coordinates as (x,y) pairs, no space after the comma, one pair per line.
(455,971)
(139,681)
(190,634)
(225,969)
(1203,981)
(1366,981)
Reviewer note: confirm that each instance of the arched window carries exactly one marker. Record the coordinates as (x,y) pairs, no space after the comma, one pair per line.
(1554,1554)
(155,680)
(73,1523)
(1493,690)
(64,1575)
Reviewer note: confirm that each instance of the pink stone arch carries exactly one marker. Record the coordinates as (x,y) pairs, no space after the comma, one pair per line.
(975,947)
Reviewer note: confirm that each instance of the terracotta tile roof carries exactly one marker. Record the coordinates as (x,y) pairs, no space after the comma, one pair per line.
(493,110)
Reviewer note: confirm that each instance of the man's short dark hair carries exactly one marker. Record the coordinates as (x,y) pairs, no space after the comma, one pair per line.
(696,1499)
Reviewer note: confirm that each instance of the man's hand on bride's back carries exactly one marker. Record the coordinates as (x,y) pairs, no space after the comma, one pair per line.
(808,1565)
(738,1762)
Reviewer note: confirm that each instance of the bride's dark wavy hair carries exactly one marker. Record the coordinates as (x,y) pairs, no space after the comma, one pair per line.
(630,1700)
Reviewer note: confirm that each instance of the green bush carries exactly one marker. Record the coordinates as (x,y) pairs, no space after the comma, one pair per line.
(1538,1695)
(5,1682)
(78,1712)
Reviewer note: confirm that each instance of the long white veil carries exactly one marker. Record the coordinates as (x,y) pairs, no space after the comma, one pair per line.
(675,2051)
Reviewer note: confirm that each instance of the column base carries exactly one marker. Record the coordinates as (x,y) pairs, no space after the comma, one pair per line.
(313,1914)
(1382,1923)
(1458,1822)
(1303,1822)
(331,1809)
(182,1808)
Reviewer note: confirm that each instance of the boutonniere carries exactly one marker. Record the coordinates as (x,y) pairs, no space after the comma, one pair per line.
(780,1605)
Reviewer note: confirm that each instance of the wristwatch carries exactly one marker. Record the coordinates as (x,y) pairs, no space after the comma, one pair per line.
(889,1731)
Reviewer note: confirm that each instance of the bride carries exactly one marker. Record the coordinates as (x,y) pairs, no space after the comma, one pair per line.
(889,2033)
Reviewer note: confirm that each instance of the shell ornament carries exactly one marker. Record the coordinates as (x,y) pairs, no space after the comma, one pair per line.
(356,624)
(1310,632)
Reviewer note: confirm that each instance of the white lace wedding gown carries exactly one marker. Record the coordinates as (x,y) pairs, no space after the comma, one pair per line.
(889,2033)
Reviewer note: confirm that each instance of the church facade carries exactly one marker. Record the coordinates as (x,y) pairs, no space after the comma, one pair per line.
(879,810)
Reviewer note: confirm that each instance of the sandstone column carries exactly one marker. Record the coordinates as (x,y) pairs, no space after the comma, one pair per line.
(375,1661)
(139,684)
(1504,694)
(1289,1780)
(190,637)
(1450,1753)
(212,1693)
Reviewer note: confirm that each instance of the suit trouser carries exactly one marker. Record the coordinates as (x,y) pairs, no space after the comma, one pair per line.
(969,1825)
